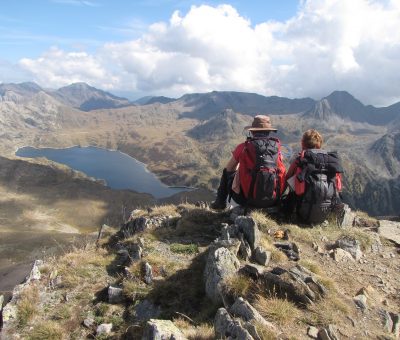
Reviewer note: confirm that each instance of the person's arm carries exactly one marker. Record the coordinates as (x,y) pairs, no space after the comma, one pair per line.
(232,165)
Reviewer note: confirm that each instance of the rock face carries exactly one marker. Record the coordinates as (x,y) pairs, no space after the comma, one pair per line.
(226,327)
(248,227)
(221,264)
(297,284)
(351,245)
(162,330)
(247,312)
(115,295)
(390,230)
(104,328)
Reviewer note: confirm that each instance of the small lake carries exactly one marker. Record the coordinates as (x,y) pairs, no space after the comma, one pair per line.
(119,170)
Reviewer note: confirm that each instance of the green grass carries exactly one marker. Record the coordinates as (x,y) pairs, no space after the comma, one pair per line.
(188,249)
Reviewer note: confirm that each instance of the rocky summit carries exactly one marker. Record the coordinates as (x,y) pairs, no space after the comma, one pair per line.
(188,272)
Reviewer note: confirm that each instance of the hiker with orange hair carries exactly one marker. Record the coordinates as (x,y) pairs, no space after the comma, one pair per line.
(314,179)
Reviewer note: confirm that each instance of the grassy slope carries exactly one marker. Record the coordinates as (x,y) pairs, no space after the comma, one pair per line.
(177,256)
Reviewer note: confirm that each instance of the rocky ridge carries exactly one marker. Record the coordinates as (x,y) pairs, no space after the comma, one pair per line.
(186,272)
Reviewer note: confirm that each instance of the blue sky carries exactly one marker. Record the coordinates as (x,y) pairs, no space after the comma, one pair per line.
(305,48)
(27,27)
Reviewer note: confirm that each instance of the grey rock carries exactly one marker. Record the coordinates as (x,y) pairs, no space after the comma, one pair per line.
(88,322)
(221,264)
(390,230)
(247,312)
(148,273)
(396,324)
(236,212)
(290,249)
(134,226)
(115,295)
(361,302)
(226,327)
(233,245)
(328,333)
(386,320)
(345,217)
(351,245)
(162,330)
(255,271)
(35,272)
(136,252)
(251,328)
(104,328)
(360,222)
(1,302)
(262,256)
(145,310)
(297,284)
(225,232)
(312,332)
(340,255)
(244,249)
(248,227)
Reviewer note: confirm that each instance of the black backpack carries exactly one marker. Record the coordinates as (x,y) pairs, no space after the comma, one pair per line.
(261,158)
(318,170)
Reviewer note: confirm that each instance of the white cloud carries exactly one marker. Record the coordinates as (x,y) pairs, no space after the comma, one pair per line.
(329,44)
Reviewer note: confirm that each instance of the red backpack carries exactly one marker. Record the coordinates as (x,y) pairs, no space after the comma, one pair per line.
(262,172)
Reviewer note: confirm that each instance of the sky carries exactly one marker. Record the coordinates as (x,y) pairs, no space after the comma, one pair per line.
(290,48)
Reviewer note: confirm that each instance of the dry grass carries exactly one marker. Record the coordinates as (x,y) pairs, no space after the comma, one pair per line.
(264,332)
(202,331)
(47,330)
(311,266)
(164,210)
(239,285)
(331,310)
(27,306)
(278,310)
(84,266)
(276,255)
(263,221)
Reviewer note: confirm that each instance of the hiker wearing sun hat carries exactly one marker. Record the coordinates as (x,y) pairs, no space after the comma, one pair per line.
(254,176)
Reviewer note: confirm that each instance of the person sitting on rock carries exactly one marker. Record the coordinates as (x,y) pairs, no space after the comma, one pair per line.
(255,174)
(314,180)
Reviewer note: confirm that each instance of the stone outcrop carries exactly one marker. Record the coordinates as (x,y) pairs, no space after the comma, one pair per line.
(221,264)
(249,228)
(351,245)
(162,330)
(297,284)
(227,327)
(390,230)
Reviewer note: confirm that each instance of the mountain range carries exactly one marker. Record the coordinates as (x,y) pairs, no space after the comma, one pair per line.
(187,140)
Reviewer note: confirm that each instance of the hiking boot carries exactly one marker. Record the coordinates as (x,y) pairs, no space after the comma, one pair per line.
(218,204)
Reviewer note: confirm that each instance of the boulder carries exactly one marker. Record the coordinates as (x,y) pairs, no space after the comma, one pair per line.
(345,217)
(221,264)
(290,249)
(104,328)
(312,332)
(88,322)
(297,284)
(361,302)
(134,226)
(262,256)
(351,245)
(242,308)
(364,223)
(390,230)
(244,248)
(340,255)
(115,295)
(226,327)
(148,273)
(135,252)
(162,330)
(328,333)
(248,226)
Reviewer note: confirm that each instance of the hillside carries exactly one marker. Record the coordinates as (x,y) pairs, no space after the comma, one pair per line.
(188,141)
(186,272)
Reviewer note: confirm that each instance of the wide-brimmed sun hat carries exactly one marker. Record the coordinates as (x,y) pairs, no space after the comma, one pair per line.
(261,123)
